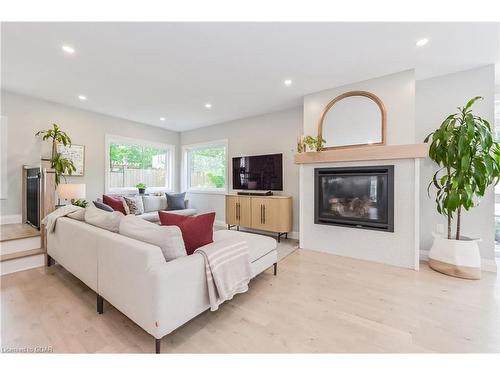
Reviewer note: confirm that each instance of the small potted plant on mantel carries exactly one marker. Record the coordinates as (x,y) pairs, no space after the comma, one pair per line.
(469,161)
(142,187)
(314,143)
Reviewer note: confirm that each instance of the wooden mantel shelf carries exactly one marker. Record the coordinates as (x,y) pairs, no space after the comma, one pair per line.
(363,153)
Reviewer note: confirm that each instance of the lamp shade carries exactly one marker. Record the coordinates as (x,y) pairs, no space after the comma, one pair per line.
(71,191)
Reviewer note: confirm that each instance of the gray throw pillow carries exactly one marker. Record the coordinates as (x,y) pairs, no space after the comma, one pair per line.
(103,206)
(175,201)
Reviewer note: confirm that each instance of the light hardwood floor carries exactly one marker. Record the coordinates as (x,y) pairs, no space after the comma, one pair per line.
(317,303)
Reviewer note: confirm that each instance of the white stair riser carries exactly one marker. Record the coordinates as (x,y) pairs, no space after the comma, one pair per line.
(21,264)
(23,244)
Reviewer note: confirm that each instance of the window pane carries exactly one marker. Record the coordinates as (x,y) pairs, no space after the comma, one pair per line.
(207,168)
(131,164)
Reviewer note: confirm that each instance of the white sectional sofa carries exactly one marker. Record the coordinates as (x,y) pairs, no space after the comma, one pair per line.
(134,277)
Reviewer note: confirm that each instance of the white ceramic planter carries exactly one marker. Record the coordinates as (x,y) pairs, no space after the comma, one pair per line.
(459,258)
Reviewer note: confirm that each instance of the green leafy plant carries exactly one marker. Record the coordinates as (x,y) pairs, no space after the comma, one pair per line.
(216,180)
(59,164)
(79,202)
(314,143)
(469,161)
(141,185)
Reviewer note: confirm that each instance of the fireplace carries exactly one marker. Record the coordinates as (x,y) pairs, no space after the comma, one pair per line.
(359,197)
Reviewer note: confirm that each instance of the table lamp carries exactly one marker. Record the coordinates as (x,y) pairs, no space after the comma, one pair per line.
(71,192)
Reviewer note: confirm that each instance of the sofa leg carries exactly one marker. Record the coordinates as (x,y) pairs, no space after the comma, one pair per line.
(100,304)
(50,261)
(275,265)
(157,345)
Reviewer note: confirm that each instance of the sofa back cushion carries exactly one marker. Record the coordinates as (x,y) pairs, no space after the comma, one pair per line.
(176,201)
(103,219)
(168,239)
(116,203)
(154,203)
(196,231)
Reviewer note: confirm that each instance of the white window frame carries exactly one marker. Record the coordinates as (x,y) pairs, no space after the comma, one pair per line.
(185,175)
(111,138)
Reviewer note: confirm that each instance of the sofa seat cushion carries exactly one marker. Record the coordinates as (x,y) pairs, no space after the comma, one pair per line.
(185,212)
(150,216)
(258,245)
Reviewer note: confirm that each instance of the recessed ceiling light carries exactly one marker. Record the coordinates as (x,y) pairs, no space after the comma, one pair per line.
(208,105)
(287,82)
(162,118)
(68,49)
(82,97)
(422,42)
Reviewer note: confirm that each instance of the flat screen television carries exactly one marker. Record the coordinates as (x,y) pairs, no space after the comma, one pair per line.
(260,172)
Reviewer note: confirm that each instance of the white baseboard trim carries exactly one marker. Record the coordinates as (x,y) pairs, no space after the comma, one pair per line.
(487,265)
(10,219)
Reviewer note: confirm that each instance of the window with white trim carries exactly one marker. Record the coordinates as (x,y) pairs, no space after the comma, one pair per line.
(131,161)
(205,167)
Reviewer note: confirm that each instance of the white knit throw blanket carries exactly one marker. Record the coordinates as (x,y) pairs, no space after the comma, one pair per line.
(227,268)
(50,220)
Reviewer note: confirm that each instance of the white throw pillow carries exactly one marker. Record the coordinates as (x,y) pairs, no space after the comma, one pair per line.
(103,219)
(167,238)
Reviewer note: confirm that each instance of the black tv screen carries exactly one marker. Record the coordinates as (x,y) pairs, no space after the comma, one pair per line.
(261,172)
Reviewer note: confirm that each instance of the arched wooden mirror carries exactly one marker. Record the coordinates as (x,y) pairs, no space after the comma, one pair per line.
(355,118)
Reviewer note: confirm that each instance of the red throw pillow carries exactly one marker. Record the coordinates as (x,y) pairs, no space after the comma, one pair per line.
(196,230)
(116,203)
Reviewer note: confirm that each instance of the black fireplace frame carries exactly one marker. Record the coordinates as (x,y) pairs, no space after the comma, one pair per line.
(368,170)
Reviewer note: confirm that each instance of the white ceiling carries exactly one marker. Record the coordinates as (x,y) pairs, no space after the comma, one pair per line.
(144,71)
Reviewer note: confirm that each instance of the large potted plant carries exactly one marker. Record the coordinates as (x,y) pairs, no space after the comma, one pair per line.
(58,163)
(469,161)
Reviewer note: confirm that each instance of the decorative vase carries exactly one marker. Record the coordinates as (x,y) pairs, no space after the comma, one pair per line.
(458,258)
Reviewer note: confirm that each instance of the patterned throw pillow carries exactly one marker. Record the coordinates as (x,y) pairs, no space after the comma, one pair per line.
(135,205)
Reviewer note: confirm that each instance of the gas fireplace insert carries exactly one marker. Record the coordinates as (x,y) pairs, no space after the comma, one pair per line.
(358,197)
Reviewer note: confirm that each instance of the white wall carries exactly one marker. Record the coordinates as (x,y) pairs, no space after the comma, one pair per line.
(26,115)
(272,133)
(397,91)
(399,248)
(436,98)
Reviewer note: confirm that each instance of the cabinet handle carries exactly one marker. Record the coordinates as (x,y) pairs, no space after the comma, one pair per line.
(261,214)
(237,211)
(264,213)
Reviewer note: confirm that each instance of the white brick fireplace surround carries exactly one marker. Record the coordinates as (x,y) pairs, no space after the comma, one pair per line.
(398,248)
